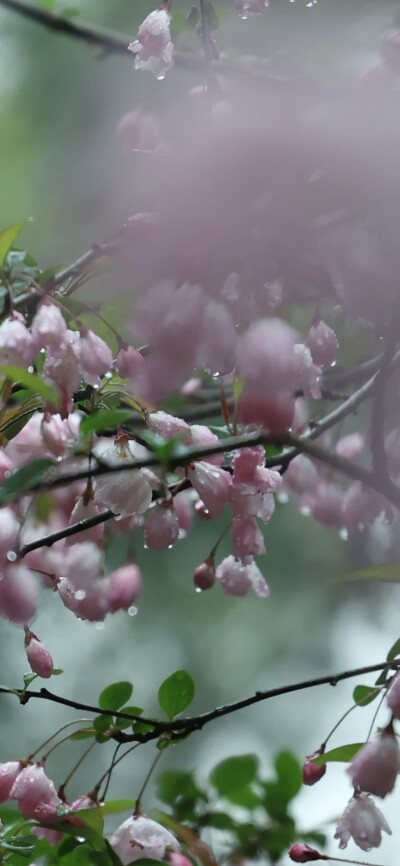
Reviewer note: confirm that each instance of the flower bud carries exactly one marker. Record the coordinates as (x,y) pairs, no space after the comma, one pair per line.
(323,344)
(302,853)
(375,767)
(39,657)
(204,576)
(393,696)
(312,773)
(162,527)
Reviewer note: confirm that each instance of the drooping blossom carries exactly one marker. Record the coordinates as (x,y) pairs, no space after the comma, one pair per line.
(18,594)
(362,821)
(323,344)
(142,838)
(375,767)
(124,587)
(247,539)
(162,527)
(36,794)
(95,357)
(212,484)
(8,774)
(129,363)
(38,655)
(166,425)
(237,578)
(49,328)
(17,345)
(153,47)
(125,492)
(204,575)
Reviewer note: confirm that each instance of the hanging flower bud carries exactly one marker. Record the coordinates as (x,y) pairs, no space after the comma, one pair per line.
(124,587)
(36,794)
(302,853)
(129,363)
(375,767)
(39,657)
(95,357)
(363,821)
(393,696)
(8,775)
(204,576)
(312,773)
(212,484)
(237,579)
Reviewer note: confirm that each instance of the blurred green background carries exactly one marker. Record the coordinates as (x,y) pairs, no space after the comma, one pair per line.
(62,167)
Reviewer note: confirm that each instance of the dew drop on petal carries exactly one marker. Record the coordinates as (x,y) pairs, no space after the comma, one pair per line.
(80,594)
(132,611)
(305,510)
(197,589)
(11,555)
(7,473)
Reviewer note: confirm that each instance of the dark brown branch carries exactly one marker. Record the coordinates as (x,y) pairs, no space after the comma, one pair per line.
(180,727)
(74,529)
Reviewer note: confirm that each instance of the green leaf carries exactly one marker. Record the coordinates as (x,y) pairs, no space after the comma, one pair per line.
(194,17)
(235,773)
(45,388)
(57,672)
(23,845)
(49,4)
(394,651)
(28,679)
(387,572)
(246,797)
(220,821)
(83,735)
(342,753)
(289,774)
(114,697)
(238,385)
(122,724)
(211,17)
(178,785)
(103,726)
(7,239)
(104,419)
(24,479)
(363,695)
(176,693)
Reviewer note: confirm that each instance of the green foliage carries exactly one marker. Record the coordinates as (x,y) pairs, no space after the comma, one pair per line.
(364,695)
(234,774)
(7,239)
(25,479)
(176,693)
(114,697)
(104,419)
(341,753)
(394,651)
(46,389)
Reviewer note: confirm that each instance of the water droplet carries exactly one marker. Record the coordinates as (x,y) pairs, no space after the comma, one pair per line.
(132,611)
(99,626)
(160,76)
(80,594)
(197,589)
(11,555)
(244,16)
(170,546)
(108,376)
(42,352)
(7,473)
(283,497)
(305,510)
(146,546)
(182,534)
(215,375)
(31,369)
(343,533)
(1,576)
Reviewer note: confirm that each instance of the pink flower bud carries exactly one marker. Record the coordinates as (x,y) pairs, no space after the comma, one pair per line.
(350,446)
(168,425)
(204,576)
(183,504)
(312,773)
(323,344)
(8,775)
(176,859)
(302,853)
(162,527)
(124,587)
(375,767)
(212,484)
(95,357)
(142,838)
(18,594)
(49,327)
(393,696)
(16,343)
(129,363)
(36,794)
(39,657)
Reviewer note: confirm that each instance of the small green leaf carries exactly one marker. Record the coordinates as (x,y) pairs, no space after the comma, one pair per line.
(289,772)
(57,672)
(194,17)
(29,678)
(235,773)
(363,695)
(103,726)
(394,651)
(342,753)
(122,724)
(104,419)
(176,693)
(220,821)
(114,807)
(82,735)
(24,479)
(114,697)
(7,239)
(22,845)
(45,388)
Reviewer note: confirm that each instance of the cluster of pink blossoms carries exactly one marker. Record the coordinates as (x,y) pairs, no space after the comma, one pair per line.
(373,771)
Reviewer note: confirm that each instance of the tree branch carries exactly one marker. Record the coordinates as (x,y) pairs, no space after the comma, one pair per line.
(180,727)
(74,529)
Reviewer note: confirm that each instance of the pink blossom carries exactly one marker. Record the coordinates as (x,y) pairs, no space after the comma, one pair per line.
(302,853)
(200,436)
(17,345)
(183,504)
(204,575)
(39,657)
(141,838)
(212,484)
(18,594)
(247,8)
(248,540)
(301,475)
(91,603)
(325,502)
(312,773)
(95,357)
(82,564)
(129,363)
(363,821)
(8,775)
(153,47)
(55,436)
(374,768)
(216,351)
(166,425)
(309,373)
(62,363)
(393,696)
(237,578)
(178,859)
(49,328)
(125,585)
(323,344)
(350,446)
(10,529)
(125,492)
(36,794)
(162,527)
(139,130)
(362,505)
